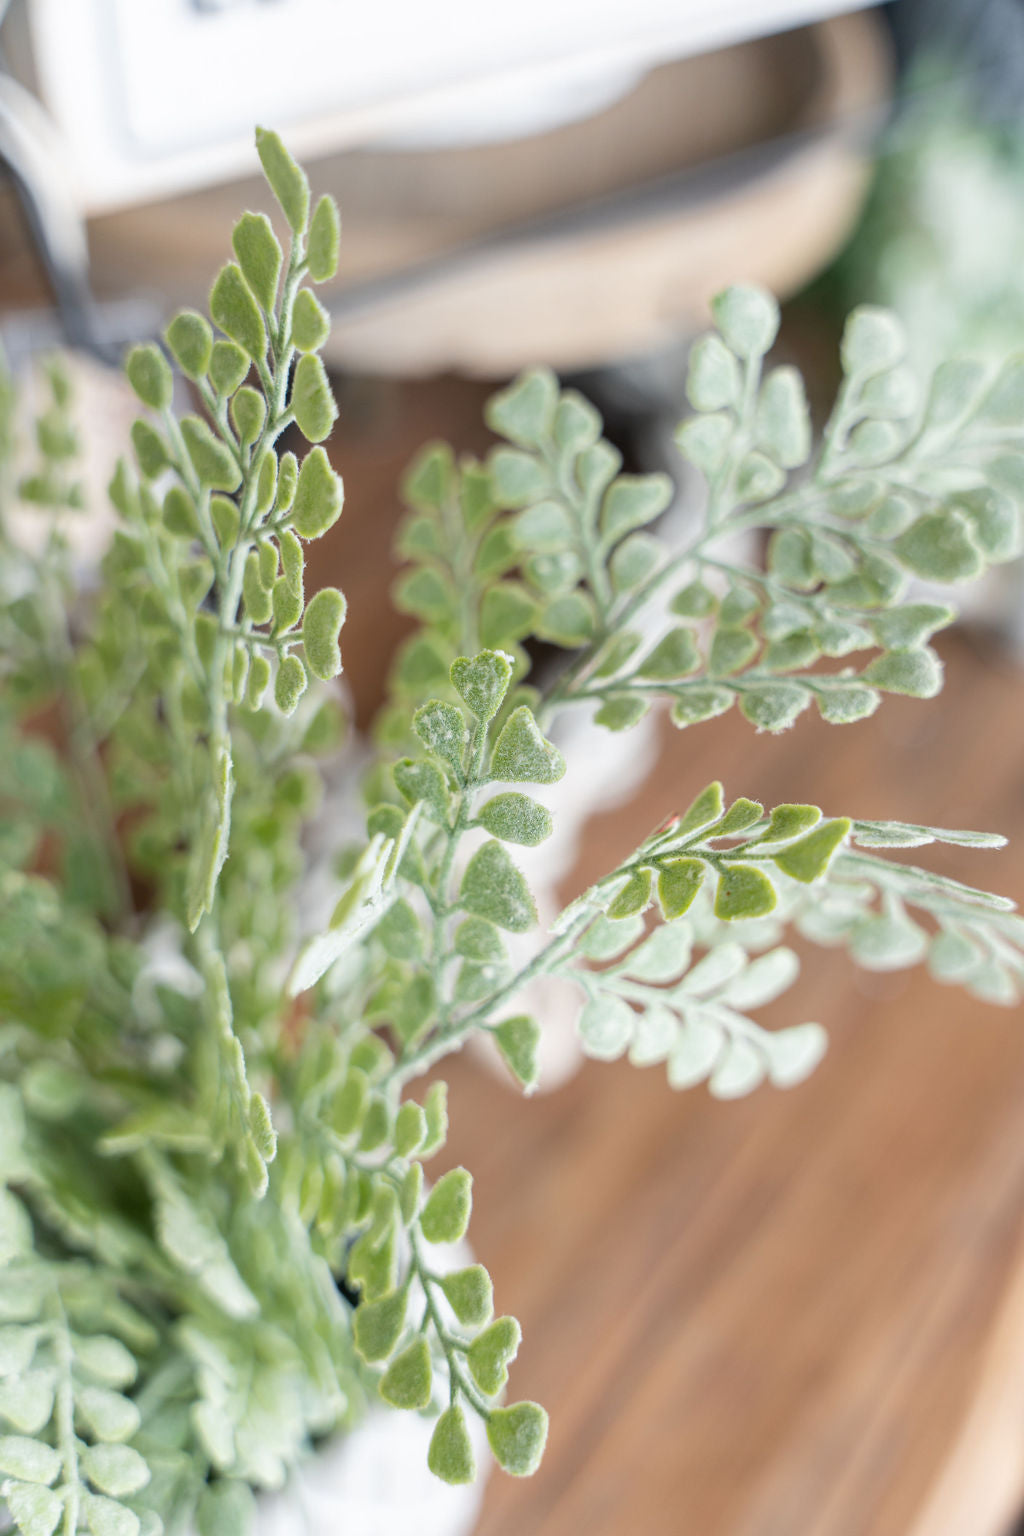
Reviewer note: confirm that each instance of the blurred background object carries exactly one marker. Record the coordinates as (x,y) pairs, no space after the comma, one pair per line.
(941,239)
(114,74)
(942,236)
(573,190)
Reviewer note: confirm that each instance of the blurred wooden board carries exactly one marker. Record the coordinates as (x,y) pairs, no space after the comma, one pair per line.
(599,239)
(768,1318)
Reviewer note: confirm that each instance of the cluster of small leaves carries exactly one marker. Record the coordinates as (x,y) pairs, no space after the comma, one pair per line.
(215,529)
(113,1160)
(576,518)
(724,881)
(650,999)
(557,566)
(69,1340)
(145,1140)
(438,917)
(146,1143)
(74,1382)
(269,1364)
(970,938)
(54,483)
(900,490)
(677,994)
(657,1006)
(423,1324)
(36,649)
(59,1375)
(454,541)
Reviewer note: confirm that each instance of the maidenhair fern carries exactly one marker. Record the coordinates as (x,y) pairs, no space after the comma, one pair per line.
(217,1239)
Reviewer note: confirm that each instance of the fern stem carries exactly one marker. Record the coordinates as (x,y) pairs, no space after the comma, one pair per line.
(67,1443)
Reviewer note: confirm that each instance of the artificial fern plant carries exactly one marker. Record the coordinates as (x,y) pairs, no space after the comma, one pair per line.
(216,1238)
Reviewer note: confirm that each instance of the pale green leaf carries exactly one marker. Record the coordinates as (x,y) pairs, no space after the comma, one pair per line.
(493,888)
(30,1461)
(226,1507)
(916,672)
(762,981)
(259,256)
(794,1053)
(739,1070)
(36,1510)
(713,376)
(107,1517)
(287,179)
(697,1047)
(517,1436)
(324,240)
(606,1026)
(312,402)
(234,309)
(319,496)
(149,375)
(26,1402)
(445,1216)
(809,856)
(211,847)
(115,1469)
(450,1455)
(321,624)
(470,1294)
(515,818)
(522,754)
(873,340)
(744,891)
(482,681)
(524,413)
(518,1039)
(407,1381)
(491,1352)
(377,1325)
(783,425)
(748,319)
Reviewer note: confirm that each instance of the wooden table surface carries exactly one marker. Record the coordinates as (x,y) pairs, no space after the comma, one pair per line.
(767,1318)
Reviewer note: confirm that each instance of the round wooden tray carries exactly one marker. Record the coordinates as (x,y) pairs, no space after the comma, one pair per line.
(599,240)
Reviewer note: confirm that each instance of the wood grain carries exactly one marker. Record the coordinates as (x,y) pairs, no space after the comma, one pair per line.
(769,1317)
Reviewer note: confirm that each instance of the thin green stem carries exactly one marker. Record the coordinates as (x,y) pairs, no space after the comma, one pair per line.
(452,1034)
(458,1377)
(67,1443)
